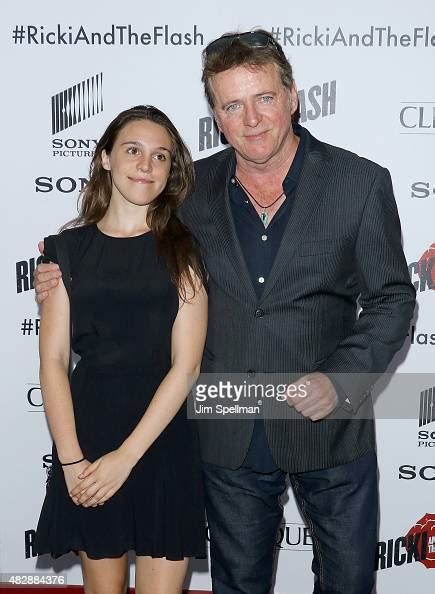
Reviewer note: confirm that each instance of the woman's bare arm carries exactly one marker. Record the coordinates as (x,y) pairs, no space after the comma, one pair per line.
(54,353)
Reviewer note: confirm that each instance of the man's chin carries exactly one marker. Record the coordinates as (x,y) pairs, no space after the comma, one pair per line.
(257,157)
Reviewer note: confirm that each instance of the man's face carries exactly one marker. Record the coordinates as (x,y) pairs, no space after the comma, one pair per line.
(253,109)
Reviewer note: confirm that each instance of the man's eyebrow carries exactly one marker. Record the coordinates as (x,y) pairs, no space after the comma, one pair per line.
(256,95)
(265,93)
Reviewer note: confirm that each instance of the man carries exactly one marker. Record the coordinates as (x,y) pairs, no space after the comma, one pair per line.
(293,233)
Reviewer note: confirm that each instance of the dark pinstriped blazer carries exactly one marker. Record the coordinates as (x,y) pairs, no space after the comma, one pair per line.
(342,242)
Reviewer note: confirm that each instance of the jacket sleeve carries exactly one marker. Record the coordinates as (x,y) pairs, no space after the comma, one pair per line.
(387,299)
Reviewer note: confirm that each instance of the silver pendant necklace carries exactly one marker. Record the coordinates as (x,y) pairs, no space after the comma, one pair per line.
(264,215)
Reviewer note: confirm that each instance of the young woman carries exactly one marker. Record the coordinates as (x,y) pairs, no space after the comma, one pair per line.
(126,472)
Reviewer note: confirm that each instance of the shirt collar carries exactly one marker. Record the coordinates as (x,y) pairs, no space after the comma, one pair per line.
(296,166)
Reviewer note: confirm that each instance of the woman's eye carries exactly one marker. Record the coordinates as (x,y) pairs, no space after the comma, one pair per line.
(132,150)
(160,157)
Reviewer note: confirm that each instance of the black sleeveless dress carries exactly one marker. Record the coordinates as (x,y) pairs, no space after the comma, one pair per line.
(123,306)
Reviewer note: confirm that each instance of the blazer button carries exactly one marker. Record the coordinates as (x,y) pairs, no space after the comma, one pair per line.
(259,313)
(251,373)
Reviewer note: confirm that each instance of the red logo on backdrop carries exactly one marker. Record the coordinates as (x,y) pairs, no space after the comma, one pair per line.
(424,530)
(426,266)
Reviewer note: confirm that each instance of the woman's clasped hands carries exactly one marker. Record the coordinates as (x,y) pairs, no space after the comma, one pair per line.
(98,481)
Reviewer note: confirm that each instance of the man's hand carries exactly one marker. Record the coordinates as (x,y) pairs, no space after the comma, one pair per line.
(101,479)
(45,277)
(320,400)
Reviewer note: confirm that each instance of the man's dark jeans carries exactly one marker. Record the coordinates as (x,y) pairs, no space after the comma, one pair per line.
(340,507)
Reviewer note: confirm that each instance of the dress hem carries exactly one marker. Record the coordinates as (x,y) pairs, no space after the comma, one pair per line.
(139,553)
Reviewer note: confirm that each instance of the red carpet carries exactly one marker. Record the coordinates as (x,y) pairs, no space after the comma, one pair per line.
(76,589)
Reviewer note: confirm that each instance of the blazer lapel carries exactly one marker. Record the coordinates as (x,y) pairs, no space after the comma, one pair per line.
(307,199)
(220,209)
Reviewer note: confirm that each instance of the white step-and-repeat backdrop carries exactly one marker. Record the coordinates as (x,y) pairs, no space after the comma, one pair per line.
(365,73)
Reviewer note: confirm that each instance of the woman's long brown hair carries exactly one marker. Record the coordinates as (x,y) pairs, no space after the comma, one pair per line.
(174,241)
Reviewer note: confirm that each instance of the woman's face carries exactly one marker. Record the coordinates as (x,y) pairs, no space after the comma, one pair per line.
(139,162)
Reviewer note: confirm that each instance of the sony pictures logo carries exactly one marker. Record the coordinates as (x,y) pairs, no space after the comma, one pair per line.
(77,103)
(417,117)
(427,407)
(426,416)
(73,105)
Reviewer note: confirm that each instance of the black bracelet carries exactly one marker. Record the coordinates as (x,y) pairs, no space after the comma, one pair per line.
(71,463)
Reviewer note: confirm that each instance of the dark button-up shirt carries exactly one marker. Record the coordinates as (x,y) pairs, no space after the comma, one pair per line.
(259,247)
